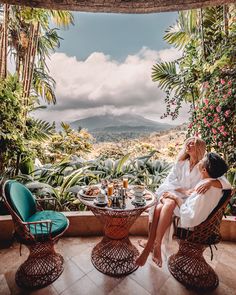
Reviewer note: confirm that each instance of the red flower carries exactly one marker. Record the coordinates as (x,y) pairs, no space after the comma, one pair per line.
(218,109)
(206,101)
(227,113)
(214,130)
(222,81)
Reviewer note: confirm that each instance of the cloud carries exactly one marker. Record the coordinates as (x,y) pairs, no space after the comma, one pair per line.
(100,84)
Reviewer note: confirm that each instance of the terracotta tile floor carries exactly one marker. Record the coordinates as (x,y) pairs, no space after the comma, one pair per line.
(80,277)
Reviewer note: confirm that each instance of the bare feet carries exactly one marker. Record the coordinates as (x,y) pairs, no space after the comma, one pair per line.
(142,243)
(157,255)
(141,260)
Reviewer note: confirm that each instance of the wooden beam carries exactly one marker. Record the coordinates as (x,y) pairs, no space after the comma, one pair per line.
(119,6)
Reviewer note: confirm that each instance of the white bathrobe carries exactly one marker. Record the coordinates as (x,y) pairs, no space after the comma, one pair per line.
(197,207)
(180,176)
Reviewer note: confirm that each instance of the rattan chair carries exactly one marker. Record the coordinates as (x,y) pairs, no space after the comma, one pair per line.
(39,231)
(188,265)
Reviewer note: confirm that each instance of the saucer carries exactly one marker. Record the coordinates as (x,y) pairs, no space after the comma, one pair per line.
(98,203)
(142,202)
(138,194)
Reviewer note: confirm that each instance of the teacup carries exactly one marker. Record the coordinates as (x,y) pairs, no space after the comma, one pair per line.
(138,190)
(101,198)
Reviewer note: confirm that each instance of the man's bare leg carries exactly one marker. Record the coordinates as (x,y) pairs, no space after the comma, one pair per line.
(141,260)
(165,220)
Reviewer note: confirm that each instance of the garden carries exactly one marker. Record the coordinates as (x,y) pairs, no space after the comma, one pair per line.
(58,163)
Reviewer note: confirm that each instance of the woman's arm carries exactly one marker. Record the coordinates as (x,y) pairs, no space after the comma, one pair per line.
(177,199)
(220,182)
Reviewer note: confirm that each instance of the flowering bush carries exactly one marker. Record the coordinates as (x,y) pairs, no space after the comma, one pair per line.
(214,117)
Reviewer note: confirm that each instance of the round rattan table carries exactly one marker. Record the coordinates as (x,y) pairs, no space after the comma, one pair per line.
(115,255)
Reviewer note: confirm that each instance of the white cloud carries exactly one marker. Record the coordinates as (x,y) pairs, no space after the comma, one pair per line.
(100,84)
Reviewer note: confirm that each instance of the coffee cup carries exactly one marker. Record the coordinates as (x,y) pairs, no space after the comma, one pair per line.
(138,190)
(101,198)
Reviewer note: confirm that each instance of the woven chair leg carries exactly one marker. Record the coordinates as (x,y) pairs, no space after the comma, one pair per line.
(115,257)
(190,268)
(42,267)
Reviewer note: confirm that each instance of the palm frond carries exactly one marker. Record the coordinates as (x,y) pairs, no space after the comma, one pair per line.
(166,74)
(62,18)
(44,85)
(39,129)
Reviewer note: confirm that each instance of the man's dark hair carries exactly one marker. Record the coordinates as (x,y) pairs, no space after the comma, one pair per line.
(215,165)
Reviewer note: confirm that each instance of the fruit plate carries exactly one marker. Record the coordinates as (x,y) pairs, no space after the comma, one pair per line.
(85,196)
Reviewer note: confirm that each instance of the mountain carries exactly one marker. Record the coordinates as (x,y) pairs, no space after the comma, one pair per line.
(118,122)
(115,127)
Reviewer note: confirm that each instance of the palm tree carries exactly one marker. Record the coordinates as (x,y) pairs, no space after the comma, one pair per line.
(207,38)
(31,41)
(4,42)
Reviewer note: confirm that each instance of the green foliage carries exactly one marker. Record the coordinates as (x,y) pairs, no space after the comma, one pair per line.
(19,136)
(207,38)
(11,122)
(215,117)
(67,142)
(65,179)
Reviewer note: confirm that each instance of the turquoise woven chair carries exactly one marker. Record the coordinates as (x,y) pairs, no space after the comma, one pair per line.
(39,231)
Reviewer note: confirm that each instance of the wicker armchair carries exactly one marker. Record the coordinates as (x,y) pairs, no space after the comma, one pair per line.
(188,265)
(39,231)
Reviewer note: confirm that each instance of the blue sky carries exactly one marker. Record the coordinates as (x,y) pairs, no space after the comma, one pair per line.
(104,65)
(117,35)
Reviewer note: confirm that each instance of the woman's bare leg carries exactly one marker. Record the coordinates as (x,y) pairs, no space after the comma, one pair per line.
(165,219)
(141,260)
(142,243)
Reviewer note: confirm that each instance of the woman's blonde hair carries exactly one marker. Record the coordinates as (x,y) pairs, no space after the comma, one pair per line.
(200,148)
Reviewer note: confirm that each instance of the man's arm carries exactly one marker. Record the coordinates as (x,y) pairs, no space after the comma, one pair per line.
(197,207)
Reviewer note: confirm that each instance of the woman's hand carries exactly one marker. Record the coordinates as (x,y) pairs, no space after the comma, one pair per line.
(204,187)
(184,191)
(189,191)
(168,195)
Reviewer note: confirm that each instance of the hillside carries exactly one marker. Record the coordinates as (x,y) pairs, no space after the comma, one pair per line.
(111,127)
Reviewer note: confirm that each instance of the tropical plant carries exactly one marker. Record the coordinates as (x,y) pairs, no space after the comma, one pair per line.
(31,41)
(63,180)
(65,143)
(17,136)
(27,35)
(215,117)
(206,38)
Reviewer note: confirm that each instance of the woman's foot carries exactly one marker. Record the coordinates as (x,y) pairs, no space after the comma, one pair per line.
(157,255)
(141,260)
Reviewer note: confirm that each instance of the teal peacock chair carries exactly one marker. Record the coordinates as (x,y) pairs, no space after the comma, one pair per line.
(39,230)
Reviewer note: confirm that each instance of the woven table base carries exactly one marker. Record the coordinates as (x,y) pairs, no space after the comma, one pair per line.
(115,257)
(42,267)
(190,268)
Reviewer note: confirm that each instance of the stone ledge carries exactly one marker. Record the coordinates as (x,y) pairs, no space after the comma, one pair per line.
(84,223)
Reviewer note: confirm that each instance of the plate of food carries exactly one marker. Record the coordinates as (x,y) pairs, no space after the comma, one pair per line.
(90,192)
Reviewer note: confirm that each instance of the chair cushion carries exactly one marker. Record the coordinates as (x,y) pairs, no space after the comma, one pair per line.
(59,223)
(21,199)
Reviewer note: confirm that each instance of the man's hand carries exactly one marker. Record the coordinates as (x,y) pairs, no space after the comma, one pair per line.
(204,187)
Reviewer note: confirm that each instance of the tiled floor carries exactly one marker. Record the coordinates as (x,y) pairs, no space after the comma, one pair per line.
(80,277)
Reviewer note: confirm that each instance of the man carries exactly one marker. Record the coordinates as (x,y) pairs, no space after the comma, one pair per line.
(191,211)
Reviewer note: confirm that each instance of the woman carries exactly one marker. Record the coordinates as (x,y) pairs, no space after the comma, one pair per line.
(183,177)
(191,212)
